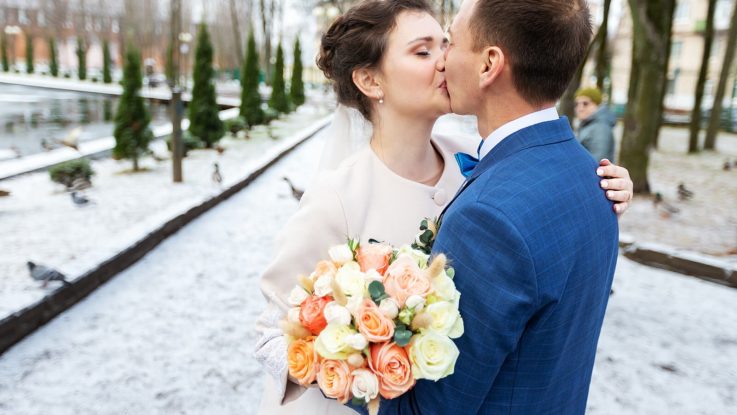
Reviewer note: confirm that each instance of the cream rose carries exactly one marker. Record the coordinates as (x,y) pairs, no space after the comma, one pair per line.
(444,288)
(433,356)
(420,257)
(331,343)
(356,341)
(389,308)
(340,254)
(351,280)
(365,385)
(337,314)
(445,319)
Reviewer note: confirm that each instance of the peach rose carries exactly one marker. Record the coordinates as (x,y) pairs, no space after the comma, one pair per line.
(374,256)
(393,368)
(311,314)
(302,360)
(324,268)
(372,323)
(404,278)
(334,379)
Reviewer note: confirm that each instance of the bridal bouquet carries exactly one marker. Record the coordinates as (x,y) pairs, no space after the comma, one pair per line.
(372,320)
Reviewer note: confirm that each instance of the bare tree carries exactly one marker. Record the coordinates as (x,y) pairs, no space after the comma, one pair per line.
(602,49)
(652,21)
(716,109)
(695,127)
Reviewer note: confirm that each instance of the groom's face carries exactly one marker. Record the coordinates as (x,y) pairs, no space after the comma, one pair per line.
(462,64)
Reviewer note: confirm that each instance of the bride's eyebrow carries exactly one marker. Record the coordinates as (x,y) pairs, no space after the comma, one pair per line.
(428,39)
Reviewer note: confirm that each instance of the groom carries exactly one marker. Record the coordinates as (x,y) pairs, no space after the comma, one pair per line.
(532,240)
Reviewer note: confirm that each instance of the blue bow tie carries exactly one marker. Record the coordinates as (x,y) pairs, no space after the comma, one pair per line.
(468,162)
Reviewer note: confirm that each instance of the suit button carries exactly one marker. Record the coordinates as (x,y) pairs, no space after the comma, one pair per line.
(440,197)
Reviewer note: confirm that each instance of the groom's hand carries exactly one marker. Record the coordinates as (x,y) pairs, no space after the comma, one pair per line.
(617,183)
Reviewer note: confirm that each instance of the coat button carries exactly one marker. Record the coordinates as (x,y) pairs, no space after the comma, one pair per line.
(440,197)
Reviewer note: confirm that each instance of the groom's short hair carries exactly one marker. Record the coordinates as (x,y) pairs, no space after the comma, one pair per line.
(544,40)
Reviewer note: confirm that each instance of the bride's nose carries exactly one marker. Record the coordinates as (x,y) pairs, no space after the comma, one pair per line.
(440,64)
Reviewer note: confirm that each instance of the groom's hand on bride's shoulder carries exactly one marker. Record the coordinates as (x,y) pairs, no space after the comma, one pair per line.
(617,183)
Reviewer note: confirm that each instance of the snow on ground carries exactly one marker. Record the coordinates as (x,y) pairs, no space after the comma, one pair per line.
(174,333)
(41,224)
(706,224)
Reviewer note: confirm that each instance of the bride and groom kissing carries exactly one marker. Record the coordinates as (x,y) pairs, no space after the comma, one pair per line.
(531,234)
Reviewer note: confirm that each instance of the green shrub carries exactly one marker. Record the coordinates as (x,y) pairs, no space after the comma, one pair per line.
(236,124)
(190,142)
(66,173)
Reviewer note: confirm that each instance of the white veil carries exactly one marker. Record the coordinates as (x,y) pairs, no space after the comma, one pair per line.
(349,132)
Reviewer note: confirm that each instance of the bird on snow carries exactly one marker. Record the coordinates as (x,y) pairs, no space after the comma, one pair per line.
(217,177)
(727,166)
(665,209)
(220,149)
(683,193)
(79,184)
(45,274)
(79,199)
(72,139)
(4,193)
(296,193)
(46,144)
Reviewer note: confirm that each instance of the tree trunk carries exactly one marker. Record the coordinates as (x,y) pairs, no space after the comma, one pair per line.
(602,52)
(716,109)
(266,30)
(235,25)
(651,23)
(695,128)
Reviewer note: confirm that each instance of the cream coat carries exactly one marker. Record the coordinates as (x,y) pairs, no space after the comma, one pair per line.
(362,198)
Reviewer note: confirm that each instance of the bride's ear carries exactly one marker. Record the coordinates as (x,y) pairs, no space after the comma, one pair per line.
(491,67)
(366,81)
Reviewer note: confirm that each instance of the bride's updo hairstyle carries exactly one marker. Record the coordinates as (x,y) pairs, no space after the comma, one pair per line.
(357,40)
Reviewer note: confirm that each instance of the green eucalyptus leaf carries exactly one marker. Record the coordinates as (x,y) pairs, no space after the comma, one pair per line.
(402,337)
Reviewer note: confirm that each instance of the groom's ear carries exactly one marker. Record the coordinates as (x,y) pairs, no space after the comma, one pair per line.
(365,80)
(492,65)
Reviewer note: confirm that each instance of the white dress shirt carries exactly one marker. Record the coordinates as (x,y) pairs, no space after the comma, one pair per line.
(496,137)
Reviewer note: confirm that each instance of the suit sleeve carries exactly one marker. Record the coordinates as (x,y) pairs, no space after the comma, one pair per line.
(497,280)
(318,224)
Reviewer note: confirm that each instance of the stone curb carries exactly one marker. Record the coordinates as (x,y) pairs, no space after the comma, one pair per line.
(683,262)
(20,324)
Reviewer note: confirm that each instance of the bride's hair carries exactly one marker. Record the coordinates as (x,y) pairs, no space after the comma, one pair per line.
(357,40)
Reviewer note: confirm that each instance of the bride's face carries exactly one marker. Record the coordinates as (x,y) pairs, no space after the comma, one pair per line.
(411,83)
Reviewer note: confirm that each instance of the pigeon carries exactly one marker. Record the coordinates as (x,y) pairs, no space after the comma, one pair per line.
(72,139)
(727,166)
(683,193)
(665,209)
(296,193)
(217,177)
(45,274)
(78,199)
(79,184)
(46,145)
(4,193)
(220,149)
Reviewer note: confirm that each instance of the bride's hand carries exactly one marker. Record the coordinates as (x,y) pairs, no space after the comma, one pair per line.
(617,183)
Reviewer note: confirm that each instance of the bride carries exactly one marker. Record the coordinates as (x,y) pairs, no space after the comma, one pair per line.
(385,59)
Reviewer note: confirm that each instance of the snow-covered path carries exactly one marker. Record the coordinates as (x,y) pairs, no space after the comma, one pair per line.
(173,334)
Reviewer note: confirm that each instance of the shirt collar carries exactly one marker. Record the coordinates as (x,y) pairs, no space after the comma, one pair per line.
(496,137)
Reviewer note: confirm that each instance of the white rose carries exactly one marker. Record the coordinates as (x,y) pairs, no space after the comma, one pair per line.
(293,315)
(365,385)
(337,314)
(351,279)
(297,295)
(444,287)
(341,254)
(415,302)
(356,341)
(323,286)
(389,308)
(445,318)
(420,257)
(433,356)
(330,343)
(354,303)
(371,276)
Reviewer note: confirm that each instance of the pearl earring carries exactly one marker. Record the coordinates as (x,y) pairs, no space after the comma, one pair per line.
(381,100)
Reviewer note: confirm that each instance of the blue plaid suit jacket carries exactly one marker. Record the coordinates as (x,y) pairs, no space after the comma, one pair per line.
(534,243)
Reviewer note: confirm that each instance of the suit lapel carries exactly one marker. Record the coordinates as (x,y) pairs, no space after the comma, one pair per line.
(536,135)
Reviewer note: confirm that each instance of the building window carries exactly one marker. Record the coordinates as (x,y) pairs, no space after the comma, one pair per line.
(114,26)
(709,88)
(673,81)
(675,50)
(23,17)
(41,17)
(681,14)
